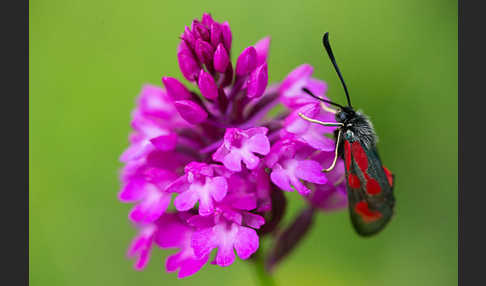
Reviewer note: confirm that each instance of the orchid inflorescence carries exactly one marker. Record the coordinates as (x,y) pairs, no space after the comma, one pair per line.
(225,154)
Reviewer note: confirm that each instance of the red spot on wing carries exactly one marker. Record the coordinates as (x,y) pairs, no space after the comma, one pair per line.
(372,186)
(388,175)
(359,156)
(353,181)
(366,214)
(347,155)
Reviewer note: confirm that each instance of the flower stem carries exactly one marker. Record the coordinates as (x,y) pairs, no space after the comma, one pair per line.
(262,275)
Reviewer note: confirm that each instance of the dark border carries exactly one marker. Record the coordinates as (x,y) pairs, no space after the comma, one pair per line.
(15,133)
(472,193)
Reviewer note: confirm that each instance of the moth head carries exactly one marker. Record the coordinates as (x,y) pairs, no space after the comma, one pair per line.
(345,114)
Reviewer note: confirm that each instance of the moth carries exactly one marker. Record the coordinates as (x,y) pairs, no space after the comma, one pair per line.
(369,183)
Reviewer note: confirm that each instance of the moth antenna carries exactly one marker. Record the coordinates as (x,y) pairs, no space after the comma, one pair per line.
(306,90)
(327,46)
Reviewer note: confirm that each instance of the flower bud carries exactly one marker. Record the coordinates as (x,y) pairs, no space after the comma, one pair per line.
(261,48)
(246,62)
(190,111)
(187,63)
(227,37)
(258,81)
(175,89)
(188,37)
(216,34)
(204,51)
(221,59)
(208,87)
(200,31)
(207,19)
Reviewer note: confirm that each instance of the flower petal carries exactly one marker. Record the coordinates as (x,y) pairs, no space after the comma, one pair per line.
(257,81)
(203,242)
(232,161)
(186,200)
(175,89)
(191,111)
(221,59)
(218,188)
(133,191)
(261,48)
(280,178)
(311,171)
(225,256)
(259,144)
(246,242)
(246,62)
(207,86)
(165,142)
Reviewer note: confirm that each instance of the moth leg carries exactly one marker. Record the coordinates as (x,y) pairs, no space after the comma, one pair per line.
(328,109)
(320,122)
(335,154)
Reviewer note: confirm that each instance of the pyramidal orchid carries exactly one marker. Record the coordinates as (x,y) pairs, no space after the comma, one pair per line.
(208,167)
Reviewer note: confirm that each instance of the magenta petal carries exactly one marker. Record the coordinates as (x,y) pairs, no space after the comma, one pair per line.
(178,186)
(318,87)
(258,81)
(141,246)
(186,200)
(280,178)
(207,19)
(204,51)
(259,144)
(246,242)
(188,37)
(232,161)
(220,153)
(192,265)
(295,124)
(311,171)
(261,48)
(142,259)
(227,37)
(316,139)
(191,111)
(202,242)
(171,231)
(253,220)
(172,262)
(136,151)
(151,208)
(234,216)
(251,161)
(165,142)
(218,188)
(200,30)
(247,202)
(206,205)
(208,87)
(216,34)
(133,191)
(187,63)
(246,62)
(175,89)
(200,221)
(301,188)
(225,256)
(221,59)
(301,72)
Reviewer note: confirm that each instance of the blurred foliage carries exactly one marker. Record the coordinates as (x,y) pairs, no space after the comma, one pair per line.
(89,59)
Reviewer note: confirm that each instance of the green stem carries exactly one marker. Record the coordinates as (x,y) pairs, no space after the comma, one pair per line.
(264,277)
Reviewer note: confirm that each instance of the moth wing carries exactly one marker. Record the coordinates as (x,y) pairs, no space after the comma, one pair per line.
(370,188)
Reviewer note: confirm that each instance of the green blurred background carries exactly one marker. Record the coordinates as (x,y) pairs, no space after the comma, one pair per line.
(89,59)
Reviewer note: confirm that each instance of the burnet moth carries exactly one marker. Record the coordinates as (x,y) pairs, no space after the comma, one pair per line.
(369,183)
